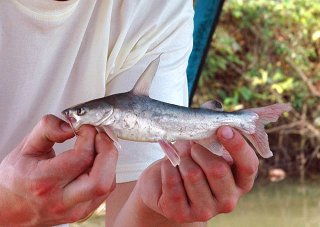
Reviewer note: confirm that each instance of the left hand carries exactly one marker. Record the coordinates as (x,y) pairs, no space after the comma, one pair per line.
(203,185)
(40,188)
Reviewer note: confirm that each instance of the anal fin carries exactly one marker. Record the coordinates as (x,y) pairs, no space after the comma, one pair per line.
(170,152)
(212,145)
(215,147)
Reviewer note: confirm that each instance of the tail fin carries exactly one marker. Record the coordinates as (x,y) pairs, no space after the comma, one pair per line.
(266,115)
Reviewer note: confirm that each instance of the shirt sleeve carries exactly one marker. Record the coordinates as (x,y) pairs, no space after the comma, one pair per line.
(173,31)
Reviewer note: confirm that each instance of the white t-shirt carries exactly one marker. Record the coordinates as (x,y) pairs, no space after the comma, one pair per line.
(55,54)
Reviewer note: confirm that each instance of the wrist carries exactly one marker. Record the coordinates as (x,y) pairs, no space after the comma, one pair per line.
(14,210)
(136,213)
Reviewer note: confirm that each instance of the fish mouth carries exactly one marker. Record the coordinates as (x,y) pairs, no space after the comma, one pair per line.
(71,120)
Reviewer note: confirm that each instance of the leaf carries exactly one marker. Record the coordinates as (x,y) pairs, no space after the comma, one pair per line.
(278,76)
(283,86)
(315,36)
(245,93)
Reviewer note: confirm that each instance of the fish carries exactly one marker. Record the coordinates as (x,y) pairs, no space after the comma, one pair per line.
(134,116)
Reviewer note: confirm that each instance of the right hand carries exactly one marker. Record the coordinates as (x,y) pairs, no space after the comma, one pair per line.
(38,188)
(201,187)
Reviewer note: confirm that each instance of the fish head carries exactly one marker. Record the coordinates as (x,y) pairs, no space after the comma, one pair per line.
(94,113)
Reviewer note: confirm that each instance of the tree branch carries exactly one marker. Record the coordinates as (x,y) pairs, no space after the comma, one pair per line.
(303,76)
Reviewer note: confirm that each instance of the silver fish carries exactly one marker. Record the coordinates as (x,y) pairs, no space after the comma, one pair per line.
(135,116)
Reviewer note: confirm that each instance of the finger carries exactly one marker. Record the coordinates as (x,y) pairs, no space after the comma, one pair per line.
(105,162)
(183,147)
(245,160)
(48,131)
(70,164)
(174,201)
(149,185)
(219,176)
(199,193)
(100,180)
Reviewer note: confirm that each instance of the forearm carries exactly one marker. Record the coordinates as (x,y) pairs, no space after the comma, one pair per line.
(135,214)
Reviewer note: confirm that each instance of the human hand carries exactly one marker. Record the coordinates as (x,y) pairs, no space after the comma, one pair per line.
(38,188)
(203,185)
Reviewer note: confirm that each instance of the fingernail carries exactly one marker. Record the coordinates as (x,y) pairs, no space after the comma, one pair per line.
(227,133)
(65,127)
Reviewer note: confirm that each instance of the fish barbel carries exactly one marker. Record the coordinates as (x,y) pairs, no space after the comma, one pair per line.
(135,116)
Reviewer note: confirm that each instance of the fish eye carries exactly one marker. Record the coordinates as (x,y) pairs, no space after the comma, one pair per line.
(81,111)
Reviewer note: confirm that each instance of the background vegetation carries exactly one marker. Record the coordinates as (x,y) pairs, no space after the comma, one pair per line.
(265,52)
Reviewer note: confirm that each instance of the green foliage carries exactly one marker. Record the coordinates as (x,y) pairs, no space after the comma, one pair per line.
(264,52)
(254,50)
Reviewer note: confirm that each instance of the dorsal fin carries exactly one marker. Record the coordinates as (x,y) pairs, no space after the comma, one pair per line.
(212,105)
(143,84)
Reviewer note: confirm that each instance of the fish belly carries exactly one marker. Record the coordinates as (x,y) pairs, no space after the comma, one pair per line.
(153,129)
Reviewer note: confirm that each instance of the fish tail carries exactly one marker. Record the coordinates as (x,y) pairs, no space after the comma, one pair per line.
(259,139)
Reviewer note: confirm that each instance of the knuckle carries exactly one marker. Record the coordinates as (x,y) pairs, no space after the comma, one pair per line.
(181,217)
(193,175)
(57,209)
(87,158)
(101,189)
(49,125)
(172,181)
(247,188)
(173,211)
(40,188)
(228,205)
(217,169)
(177,197)
(37,190)
(205,214)
(112,153)
(250,170)
(46,120)
(238,145)
(85,153)
(87,131)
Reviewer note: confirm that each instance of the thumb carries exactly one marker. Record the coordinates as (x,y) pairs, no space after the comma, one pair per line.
(45,134)
(231,139)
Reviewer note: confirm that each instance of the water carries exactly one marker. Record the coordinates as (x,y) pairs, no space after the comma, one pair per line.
(282,204)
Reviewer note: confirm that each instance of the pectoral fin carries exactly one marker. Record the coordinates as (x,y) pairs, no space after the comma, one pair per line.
(170,152)
(113,137)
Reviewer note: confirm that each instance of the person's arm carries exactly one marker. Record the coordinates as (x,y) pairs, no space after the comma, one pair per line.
(203,186)
(38,188)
